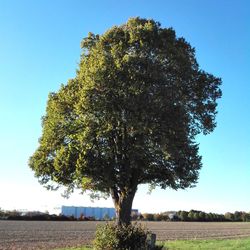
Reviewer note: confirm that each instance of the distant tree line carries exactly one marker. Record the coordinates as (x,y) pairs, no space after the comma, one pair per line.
(17,215)
(195,215)
(192,215)
(40,216)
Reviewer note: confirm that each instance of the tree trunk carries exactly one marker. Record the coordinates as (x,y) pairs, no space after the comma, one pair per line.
(123,206)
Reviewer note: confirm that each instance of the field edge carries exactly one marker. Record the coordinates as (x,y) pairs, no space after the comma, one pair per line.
(211,244)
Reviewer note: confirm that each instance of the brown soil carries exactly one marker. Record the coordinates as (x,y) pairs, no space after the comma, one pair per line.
(26,235)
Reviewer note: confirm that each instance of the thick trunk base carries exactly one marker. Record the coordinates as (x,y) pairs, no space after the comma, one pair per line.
(123,206)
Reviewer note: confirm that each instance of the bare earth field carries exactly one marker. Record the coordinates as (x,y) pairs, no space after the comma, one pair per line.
(49,235)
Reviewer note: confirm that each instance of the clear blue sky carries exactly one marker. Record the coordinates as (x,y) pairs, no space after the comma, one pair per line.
(40,49)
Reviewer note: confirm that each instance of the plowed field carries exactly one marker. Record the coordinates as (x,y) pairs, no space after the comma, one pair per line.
(26,235)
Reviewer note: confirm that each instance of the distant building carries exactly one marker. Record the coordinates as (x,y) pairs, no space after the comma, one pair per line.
(99,213)
(172,215)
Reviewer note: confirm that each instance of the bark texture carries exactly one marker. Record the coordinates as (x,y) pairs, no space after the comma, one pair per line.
(123,205)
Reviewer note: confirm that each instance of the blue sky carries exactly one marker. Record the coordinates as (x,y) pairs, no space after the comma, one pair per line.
(40,50)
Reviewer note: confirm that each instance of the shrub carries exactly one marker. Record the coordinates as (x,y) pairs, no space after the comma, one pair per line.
(148,217)
(113,237)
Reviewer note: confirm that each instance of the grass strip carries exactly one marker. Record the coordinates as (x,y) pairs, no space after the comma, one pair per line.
(227,244)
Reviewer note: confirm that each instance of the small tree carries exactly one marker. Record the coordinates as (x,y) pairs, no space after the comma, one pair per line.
(2,213)
(237,216)
(245,216)
(183,215)
(129,117)
(82,217)
(157,217)
(148,217)
(196,216)
(202,216)
(229,216)
(191,215)
(106,217)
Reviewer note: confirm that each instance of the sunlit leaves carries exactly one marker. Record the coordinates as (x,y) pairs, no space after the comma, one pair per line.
(131,114)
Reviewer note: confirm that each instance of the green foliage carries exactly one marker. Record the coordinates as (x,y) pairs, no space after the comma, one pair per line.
(183,215)
(161,217)
(245,216)
(148,216)
(129,117)
(2,213)
(154,217)
(194,215)
(229,216)
(191,216)
(113,237)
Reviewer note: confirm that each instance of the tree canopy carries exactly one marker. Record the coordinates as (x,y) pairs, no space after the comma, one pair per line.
(129,117)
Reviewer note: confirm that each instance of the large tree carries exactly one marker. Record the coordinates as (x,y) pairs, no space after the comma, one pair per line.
(129,117)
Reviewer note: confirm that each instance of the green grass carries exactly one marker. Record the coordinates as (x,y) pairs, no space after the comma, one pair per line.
(235,244)
(239,244)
